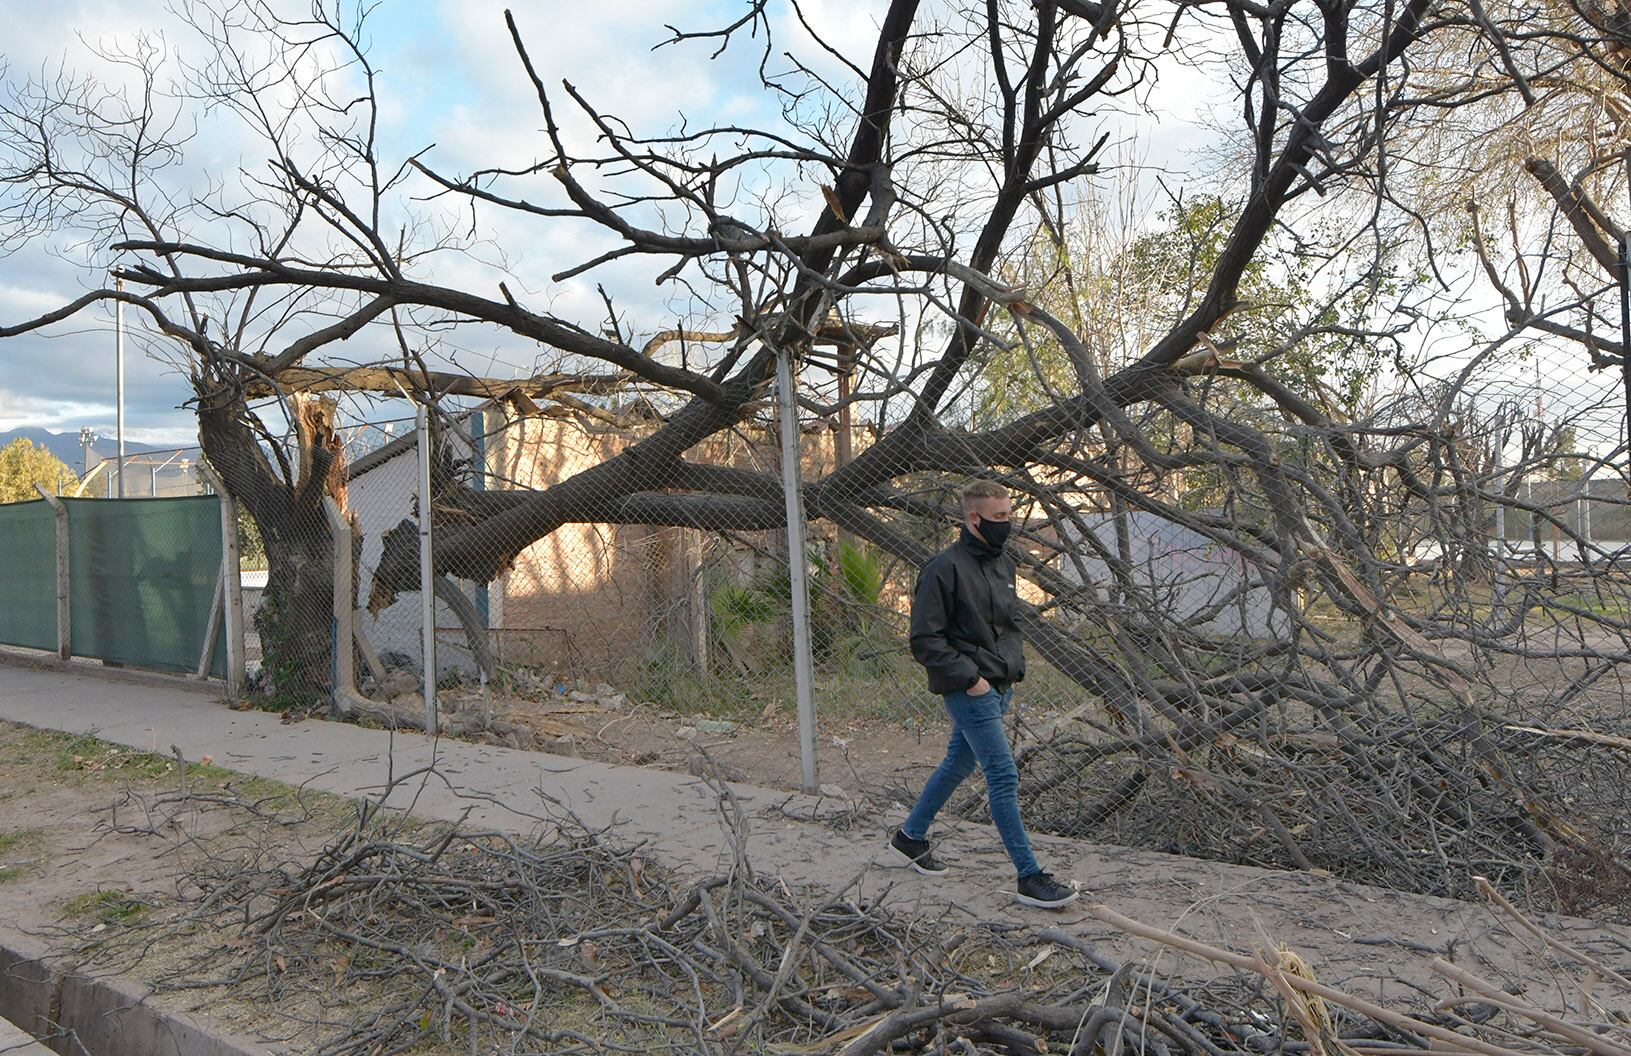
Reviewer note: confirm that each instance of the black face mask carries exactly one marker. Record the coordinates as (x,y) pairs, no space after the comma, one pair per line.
(995,532)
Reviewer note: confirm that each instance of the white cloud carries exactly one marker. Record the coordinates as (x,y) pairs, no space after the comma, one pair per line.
(21,302)
(176,437)
(21,411)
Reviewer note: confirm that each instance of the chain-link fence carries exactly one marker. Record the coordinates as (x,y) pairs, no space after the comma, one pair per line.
(1272,657)
(154,474)
(143,583)
(1397,640)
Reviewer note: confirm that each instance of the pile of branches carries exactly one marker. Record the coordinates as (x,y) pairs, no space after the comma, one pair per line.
(1339,666)
(397,937)
(1414,804)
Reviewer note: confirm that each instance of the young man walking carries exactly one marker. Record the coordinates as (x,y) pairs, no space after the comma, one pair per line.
(965,633)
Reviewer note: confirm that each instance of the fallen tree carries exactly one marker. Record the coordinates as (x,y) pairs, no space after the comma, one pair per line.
(1364,734)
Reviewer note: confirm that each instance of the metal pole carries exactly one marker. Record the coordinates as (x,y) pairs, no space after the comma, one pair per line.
(427,570)
(698,600)
(344,649)
(844,439)
(1500,503)
(232,580)
(155,468)
(236,666)
(1534,521)
(64,623)
(1583,516)
(119,378)
(798,571)
(1625,313)
(1625,334)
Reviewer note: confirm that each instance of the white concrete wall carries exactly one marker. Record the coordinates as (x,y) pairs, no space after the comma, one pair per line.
(380,499)
(1181,572)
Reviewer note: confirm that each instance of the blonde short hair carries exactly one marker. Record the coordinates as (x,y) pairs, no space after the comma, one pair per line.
(982,489)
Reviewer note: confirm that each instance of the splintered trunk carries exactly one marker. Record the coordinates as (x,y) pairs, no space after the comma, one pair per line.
(286,501)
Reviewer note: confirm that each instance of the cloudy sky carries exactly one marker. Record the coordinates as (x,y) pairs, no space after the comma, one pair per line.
(448,77)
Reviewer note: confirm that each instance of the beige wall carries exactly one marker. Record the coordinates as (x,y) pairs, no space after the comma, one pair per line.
(590,600)
(574,602)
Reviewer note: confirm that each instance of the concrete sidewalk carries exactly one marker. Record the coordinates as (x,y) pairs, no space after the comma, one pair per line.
(1350,933)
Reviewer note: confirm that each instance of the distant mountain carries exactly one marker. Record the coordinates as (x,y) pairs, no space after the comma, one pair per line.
(358,441)
(66,445)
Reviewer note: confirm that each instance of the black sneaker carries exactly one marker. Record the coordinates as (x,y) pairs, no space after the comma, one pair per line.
(1044,892)
(917,855)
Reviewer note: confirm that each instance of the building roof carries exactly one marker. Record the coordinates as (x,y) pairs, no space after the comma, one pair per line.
(381,455)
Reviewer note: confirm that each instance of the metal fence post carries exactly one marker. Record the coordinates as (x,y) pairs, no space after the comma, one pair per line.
(213,630)
(798,572)
(65,630)
(427,568)
(1583,516)
(232,579)
(1500,505)
(344,650)
(696,597)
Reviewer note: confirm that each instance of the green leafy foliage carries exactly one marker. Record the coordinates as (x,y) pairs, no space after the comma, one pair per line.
(737,608)
(1120,293)
(861,573)
(106,907)
(753,620)
(1562,449)
(251,547)
(24,464)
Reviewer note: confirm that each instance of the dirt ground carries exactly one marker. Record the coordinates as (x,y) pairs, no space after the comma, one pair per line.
(888,754)
(880,758)
(57,800)
(871,756)
(79,854)
(88,844)
(94,847)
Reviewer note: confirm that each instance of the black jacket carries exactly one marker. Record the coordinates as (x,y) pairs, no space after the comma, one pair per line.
(964,618)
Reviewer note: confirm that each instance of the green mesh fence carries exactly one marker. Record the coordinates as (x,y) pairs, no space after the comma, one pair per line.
(28,576)
(142,576)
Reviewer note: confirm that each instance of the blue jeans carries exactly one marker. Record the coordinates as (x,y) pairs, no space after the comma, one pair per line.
(977,737)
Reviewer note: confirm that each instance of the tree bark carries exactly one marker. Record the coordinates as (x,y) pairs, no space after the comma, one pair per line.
(286,502)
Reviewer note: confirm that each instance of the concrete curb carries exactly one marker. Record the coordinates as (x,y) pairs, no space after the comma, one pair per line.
(99,1015)
(130,675)
(27,985)
(14,1042)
